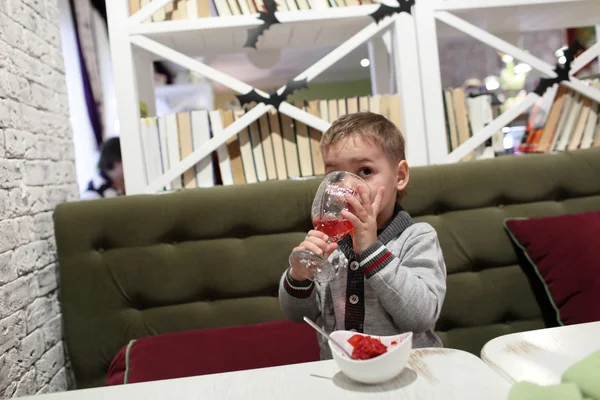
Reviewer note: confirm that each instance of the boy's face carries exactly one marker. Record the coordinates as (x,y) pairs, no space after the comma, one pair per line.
(367,160)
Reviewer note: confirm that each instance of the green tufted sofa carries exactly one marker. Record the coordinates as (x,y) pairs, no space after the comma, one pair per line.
(141,265)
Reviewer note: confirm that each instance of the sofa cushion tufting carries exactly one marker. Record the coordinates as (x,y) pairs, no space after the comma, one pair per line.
(210,258)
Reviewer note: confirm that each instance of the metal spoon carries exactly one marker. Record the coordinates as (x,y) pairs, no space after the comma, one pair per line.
(322,332)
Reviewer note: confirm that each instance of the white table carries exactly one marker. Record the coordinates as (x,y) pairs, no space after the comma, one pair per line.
(431,374)
(541,356)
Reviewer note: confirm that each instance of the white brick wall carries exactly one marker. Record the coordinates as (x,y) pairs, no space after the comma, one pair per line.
(37,172)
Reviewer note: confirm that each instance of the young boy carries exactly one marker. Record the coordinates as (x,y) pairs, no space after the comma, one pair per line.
(390,274)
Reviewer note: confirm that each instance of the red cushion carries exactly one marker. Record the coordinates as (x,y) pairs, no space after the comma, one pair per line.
(565,253)
(209,351)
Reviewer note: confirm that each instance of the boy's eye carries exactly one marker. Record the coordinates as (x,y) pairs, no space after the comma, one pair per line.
(365,172)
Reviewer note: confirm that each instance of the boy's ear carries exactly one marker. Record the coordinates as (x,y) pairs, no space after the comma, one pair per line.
(402,175)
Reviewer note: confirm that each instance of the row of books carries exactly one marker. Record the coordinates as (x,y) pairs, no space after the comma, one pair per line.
(467,115)
(192,9)
(561,120)
(275,147)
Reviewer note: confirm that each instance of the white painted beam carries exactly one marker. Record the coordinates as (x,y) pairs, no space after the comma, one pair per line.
(304,117)
(408,80)
(431,82)
(586,57)
(597,28)
(344,49)
(321,17)
(495,42)
(194,65)
(379,67)
(127,97)
(584,89)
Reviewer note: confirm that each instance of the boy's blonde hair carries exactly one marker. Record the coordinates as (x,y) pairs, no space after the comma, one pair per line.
(371,127)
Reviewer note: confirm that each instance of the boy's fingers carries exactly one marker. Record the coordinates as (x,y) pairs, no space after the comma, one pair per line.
(301,273)
(354,220)
(358,208)
(319,234)
(364,198)
(332,248)
(318,242)
(378,200)
(312,247)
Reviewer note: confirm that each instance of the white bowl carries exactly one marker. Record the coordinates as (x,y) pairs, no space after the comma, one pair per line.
(375,370)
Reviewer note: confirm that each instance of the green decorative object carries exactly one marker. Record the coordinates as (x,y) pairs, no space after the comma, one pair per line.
(586,375)
(511,79)
(532,391)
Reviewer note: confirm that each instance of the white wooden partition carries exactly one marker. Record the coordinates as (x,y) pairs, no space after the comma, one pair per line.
(427,13)
(129,34)
(410,42)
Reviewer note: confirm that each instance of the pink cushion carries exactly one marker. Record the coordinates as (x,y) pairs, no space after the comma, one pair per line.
(209,351)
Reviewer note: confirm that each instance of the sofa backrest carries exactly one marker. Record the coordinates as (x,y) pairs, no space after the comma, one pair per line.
(140,265)
(488,294)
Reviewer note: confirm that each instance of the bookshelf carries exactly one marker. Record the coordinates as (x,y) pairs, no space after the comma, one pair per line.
(275,147)
(410,42)
(135,44)
(477,18)
(218,35)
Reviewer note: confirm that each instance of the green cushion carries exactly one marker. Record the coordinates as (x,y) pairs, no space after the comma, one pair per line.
(531,391)
(580,381)
(586,375)
(202,258)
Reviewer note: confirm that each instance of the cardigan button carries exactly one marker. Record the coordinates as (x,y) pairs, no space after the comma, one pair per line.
(354,265)
(353,299)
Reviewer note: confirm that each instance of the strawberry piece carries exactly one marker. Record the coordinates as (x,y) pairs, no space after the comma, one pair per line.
(366,347)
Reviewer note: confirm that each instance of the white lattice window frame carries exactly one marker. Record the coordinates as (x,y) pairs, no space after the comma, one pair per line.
(426,16)
(401,26)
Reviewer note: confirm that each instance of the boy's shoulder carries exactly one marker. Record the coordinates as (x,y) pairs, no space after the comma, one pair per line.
(415,232)
(419,228)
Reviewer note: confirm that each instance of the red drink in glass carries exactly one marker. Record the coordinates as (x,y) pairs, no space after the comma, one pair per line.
(326,212)
(334,228)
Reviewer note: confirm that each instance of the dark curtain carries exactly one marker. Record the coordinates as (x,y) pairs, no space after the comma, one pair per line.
(93,114)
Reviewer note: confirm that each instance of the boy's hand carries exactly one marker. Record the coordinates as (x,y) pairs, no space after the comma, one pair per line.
(315,241)
(364,218)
